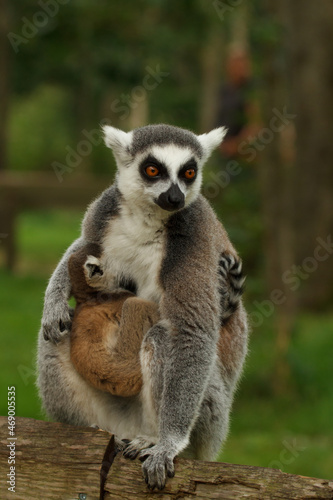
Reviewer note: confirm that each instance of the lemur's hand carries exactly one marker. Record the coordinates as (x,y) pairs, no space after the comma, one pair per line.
(57,320)
(157,465)
(95,275)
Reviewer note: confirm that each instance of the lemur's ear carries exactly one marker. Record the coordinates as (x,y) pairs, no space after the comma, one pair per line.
(119,141)
(211,140)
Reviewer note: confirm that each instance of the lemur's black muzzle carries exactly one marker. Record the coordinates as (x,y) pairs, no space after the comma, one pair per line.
(172,199)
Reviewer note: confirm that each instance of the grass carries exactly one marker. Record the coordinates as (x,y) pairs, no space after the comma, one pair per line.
(293,432)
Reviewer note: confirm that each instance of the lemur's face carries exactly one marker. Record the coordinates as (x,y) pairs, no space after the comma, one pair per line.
(166,176)
(161,166)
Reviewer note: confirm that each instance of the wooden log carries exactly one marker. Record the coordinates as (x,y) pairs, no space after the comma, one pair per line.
(58,461)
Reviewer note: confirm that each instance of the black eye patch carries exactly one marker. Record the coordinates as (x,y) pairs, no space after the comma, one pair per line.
(151,161)
(189,165)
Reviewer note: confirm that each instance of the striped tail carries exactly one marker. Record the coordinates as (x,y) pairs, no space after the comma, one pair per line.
(231,284)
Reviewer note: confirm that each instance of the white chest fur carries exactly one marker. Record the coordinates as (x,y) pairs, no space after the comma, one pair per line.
(133,248)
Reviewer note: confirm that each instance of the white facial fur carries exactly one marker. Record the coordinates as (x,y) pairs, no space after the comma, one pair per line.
(143,194)
(135,190)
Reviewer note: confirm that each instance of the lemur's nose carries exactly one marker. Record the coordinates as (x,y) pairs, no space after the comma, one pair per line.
(172,199)
(175,196)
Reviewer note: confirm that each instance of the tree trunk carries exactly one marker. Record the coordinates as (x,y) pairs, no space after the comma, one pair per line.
(58,461)
(212,59)
(311,55)
(4,81)
(275,175)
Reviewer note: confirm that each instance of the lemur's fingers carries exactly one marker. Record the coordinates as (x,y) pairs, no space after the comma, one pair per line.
(133,448)
(157,466)
(56,322)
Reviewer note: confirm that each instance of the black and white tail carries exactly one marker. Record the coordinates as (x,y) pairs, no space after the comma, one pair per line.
(231,284)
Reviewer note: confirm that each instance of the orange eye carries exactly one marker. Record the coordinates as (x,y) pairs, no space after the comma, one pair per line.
(190,173)
(152,171)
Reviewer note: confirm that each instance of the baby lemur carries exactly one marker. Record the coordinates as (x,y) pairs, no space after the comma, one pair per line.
(108,327)
(157,232)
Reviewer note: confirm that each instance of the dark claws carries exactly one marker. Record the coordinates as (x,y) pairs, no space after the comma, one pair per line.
(130,454)
(64,326)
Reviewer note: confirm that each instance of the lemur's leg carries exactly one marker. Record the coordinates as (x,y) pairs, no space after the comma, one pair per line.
(106,341)
(212,424)
(153,354)
(138,316)
(211,427)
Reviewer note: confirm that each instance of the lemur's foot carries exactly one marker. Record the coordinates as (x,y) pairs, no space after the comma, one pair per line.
(157,466)
(133,448)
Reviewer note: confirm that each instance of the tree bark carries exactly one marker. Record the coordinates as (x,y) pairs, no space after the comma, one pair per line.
(4,81)
(58,461)
(275,177)
(310,38)
(212,59)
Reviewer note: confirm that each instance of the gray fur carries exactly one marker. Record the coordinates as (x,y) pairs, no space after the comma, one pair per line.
(160,135)
(56,310)
(99,213)
(56,320)
(189,373)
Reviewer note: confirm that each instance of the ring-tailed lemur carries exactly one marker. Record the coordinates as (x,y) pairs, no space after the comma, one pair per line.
(157,232)
(107,328)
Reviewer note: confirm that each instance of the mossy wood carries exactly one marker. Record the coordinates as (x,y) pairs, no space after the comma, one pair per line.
(58,461)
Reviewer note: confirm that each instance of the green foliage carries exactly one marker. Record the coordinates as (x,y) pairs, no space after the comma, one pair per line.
(68,76)
(43,237)
(38,130)
(292,432)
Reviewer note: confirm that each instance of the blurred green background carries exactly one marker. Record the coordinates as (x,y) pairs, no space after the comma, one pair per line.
(66,67)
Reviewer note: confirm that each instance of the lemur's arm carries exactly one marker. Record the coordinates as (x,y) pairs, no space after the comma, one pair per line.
(190,311)
(191,350)
(56,321)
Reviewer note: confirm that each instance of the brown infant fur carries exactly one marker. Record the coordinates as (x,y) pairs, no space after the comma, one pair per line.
(107,331)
